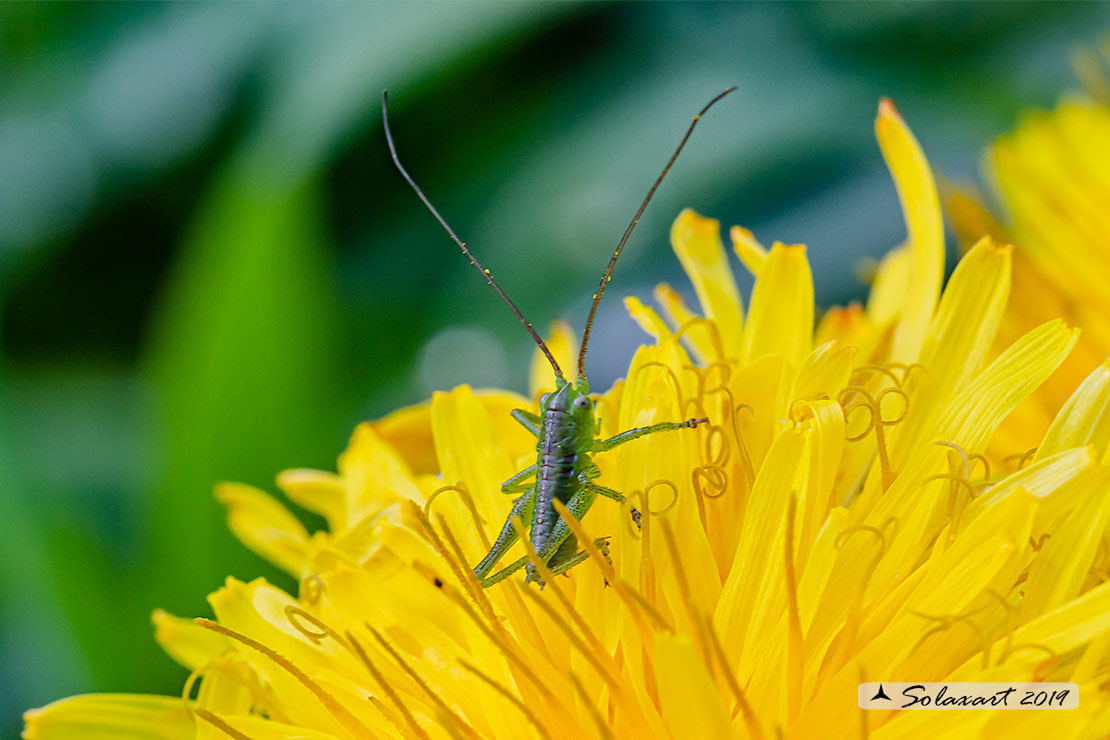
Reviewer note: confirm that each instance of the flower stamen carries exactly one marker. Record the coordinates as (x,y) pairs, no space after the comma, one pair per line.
(390,692)
(293,614)
(461,489)
(734,410)
(716,433)
(1022,457)
(875,422)
(717,478)
(669,372)
(755,730)
(680,578)
(955,511)
(587,701)
(592,653)
(629,595)
(220,724)
(334,707)
(495,629)
(710,327)
(509,695)
(440,704)
(843,645)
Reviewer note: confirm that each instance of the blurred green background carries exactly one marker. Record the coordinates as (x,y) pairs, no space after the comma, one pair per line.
(210,271)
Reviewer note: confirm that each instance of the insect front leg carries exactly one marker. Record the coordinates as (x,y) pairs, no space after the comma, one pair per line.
(522,507)
(528,420)
(519,482)
(605,445)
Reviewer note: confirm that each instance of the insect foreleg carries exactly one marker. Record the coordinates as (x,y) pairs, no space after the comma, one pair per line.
(519,482)
(604,445)
(528,420)
(522,507)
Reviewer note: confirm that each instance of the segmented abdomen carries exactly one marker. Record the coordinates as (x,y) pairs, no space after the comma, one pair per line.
(555,475)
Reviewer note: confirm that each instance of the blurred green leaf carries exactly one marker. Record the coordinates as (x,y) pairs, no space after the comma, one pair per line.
(34,629)
(244,363)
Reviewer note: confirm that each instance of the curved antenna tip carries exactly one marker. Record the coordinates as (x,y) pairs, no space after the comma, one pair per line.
(605,278)
(486,274)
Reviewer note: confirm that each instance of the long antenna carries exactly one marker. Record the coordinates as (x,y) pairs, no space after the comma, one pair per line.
(462,245)
(628,232)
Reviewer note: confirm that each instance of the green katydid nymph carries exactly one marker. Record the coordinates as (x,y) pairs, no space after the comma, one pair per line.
(566,429)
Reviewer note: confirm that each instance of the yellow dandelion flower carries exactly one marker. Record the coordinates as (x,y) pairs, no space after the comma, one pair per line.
(1051,174)
(836,522)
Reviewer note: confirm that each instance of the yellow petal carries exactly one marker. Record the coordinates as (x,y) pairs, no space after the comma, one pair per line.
(288,661)
(265,526)
(514,439)
(1043,479)
(317,491)
(1084,419)
(982,404)
(826,446)
(697,242)
(971,220)
(111,717)
(184,641)
(1065,558)
(824,372)
(921,206)
(763,526)
(470,451)
(781,320)
(701,338)
(409,430)
(951,581)
(647,318)
(959,338)
(890,286)
(748,249)
(845,324)
(226,688)
(1070,627)
(650,396)
(374,474)
(691,706)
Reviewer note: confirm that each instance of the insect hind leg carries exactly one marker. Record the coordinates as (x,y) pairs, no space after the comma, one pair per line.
(504,572)
(522,507)
(568,555)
